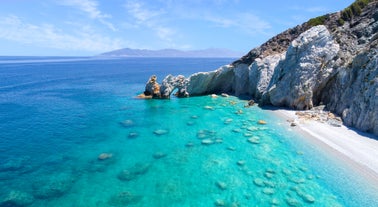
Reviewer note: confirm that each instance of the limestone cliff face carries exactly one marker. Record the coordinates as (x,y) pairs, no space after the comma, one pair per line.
(217,81)
(335,63)
(304,70)
(353,92)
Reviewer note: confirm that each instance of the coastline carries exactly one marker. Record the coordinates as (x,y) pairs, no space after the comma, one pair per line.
(357,150)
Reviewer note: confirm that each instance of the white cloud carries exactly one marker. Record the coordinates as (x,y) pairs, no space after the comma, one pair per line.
(45,35)
(216,14)
(152,19)
(315,9)
(90,7)
(247,22)
(140,13)
(221,21)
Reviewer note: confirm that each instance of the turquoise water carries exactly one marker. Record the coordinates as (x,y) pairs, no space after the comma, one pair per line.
(72,134)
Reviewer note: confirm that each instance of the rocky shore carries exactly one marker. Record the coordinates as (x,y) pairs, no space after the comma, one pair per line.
(329,60)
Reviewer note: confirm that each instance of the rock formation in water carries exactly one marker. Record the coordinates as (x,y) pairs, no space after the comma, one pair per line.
(169,85)
(330,60)
(152,88)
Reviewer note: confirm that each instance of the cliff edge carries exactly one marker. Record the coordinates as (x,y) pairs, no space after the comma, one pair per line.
(330,60)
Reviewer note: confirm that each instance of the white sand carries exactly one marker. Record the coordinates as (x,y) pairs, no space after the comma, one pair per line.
(359,150)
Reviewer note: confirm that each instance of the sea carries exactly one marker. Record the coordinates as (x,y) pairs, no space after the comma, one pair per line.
(73,134)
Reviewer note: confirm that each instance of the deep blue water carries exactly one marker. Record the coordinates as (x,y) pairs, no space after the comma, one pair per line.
(58,115)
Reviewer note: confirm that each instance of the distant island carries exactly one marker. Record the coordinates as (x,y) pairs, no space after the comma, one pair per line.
(206,53)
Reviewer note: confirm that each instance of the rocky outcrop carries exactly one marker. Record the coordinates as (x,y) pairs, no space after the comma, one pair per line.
(171,83)
(330,60)
(152,88)
(260,73)
(353,92)
(303,71)
(218,81)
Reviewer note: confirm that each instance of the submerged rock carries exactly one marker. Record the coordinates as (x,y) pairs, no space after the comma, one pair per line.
(231,148)
(159,155)
(133,135)
(207,142)
(268,191)
(254,140)
(275,202)
(219,202)
(308,198)
(190,123)
(127,123)
(218,140)
(104,156)
(268,175)
(293,202)
(259,182)
(228,121)
(16,199)
(133,172)
(250,103)
(239,112)
(202,134)
(124,198)
(262,122)
(236,130)
(53,186)
(209,108)
(221,185)
(240,162)
(189,144)
(160,132)
(126,175)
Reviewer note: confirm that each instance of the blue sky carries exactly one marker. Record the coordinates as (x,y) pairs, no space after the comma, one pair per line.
(90,27)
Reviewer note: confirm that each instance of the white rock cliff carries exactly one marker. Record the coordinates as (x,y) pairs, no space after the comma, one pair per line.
(331,64)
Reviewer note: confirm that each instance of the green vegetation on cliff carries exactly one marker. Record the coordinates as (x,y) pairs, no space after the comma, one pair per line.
(317,20)
(354,9)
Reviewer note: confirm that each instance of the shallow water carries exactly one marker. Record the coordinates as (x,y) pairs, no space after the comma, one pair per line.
(58,118)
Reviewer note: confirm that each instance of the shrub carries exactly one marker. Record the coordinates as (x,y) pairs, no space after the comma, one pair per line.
(353,10)
(317,20)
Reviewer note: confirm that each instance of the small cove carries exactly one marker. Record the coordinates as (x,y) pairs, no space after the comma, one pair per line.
(199,151)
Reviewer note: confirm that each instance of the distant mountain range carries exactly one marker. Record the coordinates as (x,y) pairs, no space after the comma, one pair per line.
(212,52)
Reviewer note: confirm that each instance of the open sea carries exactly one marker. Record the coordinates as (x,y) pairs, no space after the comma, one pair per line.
(72,134)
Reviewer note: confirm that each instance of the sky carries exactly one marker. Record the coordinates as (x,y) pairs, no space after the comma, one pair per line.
(91,27)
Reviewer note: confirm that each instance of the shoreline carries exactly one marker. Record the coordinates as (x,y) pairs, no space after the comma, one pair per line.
(357,150)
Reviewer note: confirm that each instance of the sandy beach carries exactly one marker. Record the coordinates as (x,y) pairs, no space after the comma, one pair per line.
(359,150)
